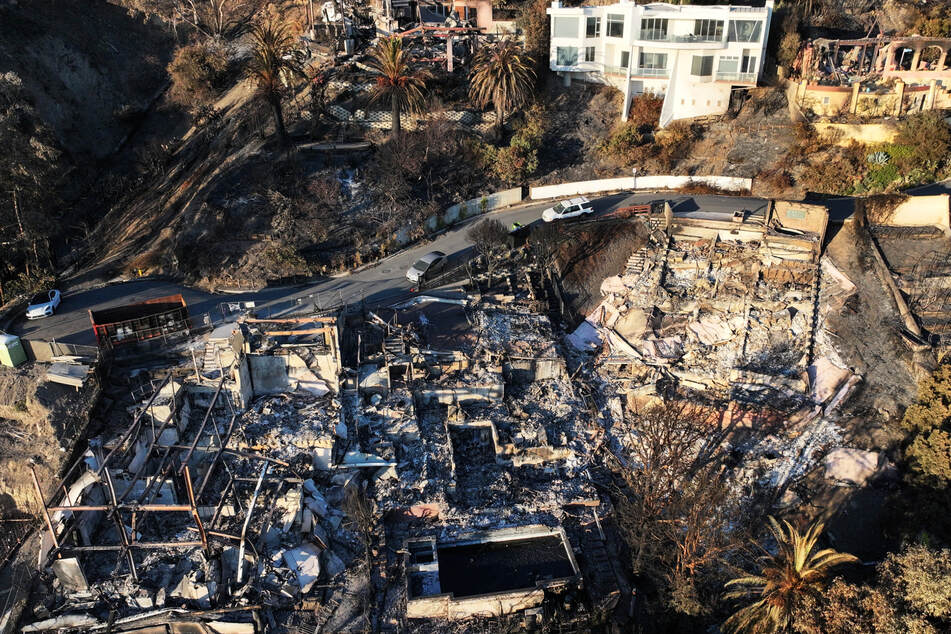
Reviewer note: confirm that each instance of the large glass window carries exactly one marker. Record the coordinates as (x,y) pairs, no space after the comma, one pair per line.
(654,29)
(625,58)
(566,55)
(564,26)
(653,61)
(615,25)
(749,64)
(701,65)
(589,54)
(729,65)
(593,27)
(745,30)
(708,29)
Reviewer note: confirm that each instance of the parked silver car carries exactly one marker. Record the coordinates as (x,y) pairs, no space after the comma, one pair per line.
(426,266)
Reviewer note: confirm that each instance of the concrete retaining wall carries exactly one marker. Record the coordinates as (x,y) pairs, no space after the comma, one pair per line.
(729,183)
(867,133)
(43,351)
(473,207)
(923,211)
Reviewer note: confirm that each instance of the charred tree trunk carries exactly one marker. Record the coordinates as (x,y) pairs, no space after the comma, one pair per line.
(279,120)
(396,125)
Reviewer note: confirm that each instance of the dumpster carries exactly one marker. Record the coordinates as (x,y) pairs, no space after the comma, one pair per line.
(12,353)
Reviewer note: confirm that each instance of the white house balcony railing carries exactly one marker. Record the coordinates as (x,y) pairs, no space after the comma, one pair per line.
(690,39)
(636,72)
(740,78)
(650,72)
(654,35)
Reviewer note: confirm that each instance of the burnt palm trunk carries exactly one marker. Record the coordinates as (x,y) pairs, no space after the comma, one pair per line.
(279,119)
(396,125)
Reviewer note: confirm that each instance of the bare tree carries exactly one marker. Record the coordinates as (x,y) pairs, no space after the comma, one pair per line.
(544,242)
(217,18)
(675,507)
(489,238)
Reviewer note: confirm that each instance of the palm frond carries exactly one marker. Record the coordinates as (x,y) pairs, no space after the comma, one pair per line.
(787,576)
(396,79)
(503,76)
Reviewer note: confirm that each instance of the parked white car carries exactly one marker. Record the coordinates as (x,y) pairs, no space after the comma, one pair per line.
(426,266)
(43,304)
(568,209)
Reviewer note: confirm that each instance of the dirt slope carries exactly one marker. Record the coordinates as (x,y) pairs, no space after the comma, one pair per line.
(90,67)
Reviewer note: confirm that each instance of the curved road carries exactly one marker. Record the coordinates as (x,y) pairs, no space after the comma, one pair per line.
(377,283)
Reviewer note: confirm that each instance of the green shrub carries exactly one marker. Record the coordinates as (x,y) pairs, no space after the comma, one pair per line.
(920,578)
(934,402)
(880,177)
(927,135)
(517,162)
(928,455)
(929,458)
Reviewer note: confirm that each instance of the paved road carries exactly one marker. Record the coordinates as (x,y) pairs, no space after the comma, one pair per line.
(377,283)
(943,187)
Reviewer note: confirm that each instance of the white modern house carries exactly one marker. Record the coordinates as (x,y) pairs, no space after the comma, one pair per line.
(693,55)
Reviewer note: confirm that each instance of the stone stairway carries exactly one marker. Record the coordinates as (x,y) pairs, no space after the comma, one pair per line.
(209,362)
(394,345)
(635,263)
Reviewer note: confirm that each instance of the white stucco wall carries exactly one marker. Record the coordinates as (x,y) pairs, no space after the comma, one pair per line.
(599,58)
(731,183)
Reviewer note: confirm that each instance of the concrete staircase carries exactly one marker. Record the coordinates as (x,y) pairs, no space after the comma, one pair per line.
(635,263)
(209,361)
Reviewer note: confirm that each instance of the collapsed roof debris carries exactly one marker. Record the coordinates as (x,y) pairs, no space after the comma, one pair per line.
(729,315)
(199,508)
(261,473)
(437,459)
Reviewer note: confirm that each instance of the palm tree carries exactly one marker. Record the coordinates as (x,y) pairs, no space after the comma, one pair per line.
(396,79)
(796,570)
(272,60)
(503,75)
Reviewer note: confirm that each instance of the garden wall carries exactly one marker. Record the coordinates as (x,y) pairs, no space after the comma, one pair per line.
(473,207)
(866,133)
(921,211)
(729,183)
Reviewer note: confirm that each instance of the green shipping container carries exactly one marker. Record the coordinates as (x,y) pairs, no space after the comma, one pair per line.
(12,353)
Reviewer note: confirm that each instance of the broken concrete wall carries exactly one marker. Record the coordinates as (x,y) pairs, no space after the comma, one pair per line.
(243,387)
(268,374)
(447,607)
(922,211)
(283,373)
(327,369)
(687,229)
(800,216)
(488,393)
(529,370)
